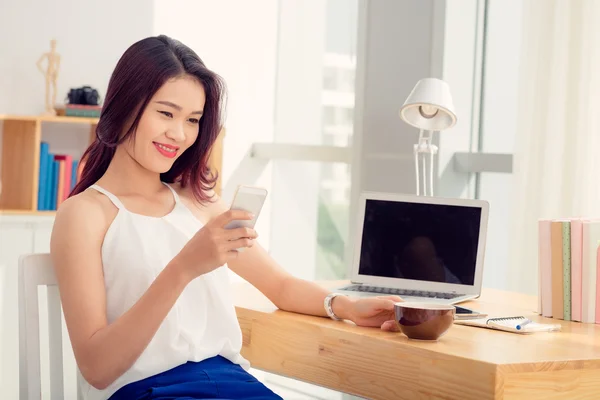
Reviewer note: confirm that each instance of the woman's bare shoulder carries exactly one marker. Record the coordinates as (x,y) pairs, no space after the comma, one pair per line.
(89,202)
(89,210)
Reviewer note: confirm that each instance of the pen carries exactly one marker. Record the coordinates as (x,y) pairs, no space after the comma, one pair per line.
(520,326)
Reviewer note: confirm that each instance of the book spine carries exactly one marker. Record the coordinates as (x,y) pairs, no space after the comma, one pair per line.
(557,270)
(566,235)
(55,172)
(41,205)
(576,257)
(74,174)
(49,182)
(597,268)
(591,236)
(61,181)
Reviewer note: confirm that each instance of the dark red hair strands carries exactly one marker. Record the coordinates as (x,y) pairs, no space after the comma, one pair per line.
(141,71)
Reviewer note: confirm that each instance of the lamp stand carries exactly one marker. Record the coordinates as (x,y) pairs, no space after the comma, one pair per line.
(422,150)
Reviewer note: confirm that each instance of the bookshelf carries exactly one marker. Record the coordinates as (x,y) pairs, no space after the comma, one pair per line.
(20,160)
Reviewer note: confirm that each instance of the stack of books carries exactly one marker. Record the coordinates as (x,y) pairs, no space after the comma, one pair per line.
(569,269)
(58,175)
(76,110)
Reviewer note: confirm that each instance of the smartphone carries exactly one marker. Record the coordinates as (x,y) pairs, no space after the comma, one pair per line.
(467,313)
(250,199)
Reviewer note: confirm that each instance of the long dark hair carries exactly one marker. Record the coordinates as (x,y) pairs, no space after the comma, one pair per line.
(141,71)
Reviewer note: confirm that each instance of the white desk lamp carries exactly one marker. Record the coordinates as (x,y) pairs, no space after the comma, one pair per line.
(428,107)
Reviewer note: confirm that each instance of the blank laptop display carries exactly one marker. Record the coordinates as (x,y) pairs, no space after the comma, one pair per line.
(418,241)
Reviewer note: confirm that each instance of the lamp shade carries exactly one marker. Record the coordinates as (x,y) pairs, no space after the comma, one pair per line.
(429,106)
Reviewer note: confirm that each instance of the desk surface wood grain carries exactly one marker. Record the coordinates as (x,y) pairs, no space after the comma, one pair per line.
(466,363)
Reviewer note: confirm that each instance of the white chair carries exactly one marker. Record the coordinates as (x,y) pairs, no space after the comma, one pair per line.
(36,270)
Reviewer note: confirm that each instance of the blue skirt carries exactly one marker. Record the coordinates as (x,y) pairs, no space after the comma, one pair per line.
(214,378)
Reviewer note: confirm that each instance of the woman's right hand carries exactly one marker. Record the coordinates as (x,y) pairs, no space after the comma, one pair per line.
(213,245)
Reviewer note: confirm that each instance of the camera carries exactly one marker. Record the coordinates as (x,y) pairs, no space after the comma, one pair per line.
(85,95)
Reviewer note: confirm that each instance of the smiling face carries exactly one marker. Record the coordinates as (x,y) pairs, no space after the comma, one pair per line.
(169,124)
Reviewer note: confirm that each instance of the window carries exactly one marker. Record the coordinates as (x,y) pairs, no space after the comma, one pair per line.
(314,105)
(487,115)
(498,128)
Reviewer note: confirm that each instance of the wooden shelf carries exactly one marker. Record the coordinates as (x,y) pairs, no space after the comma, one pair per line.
(27,212)
(20,161)
(50,118)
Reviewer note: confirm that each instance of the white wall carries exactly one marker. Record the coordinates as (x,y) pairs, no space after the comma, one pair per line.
(91,36)
(238,40)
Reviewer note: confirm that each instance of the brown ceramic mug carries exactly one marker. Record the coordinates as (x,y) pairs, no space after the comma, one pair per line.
(424,321)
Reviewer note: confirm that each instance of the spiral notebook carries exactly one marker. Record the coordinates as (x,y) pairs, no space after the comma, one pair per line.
(517,324)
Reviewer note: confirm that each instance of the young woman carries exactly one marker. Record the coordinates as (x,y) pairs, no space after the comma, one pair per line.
(140,249)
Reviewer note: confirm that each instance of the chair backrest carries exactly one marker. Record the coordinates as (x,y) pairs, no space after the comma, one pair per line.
(36,270)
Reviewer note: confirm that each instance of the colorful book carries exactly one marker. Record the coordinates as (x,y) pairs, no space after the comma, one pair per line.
(566,256)
(556,240)
(54,192)
(545,267)
(78,110)
(74,175)
(60,185)
(576,254)
(589,270)
(598,284)
(67,174)
(42,180)
(49,182)
(539,296)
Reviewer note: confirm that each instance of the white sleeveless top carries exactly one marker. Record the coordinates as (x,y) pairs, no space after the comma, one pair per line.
(201,324)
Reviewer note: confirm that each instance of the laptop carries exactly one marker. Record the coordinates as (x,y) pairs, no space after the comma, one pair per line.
(420,248)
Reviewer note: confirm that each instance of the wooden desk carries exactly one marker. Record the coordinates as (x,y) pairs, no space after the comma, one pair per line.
(466,363)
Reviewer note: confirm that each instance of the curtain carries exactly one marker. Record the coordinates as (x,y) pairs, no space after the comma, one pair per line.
(557,151)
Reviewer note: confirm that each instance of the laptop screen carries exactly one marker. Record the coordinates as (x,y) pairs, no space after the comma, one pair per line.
(426,242)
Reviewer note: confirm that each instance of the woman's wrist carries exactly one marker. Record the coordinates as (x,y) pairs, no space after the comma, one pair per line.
(343,307)
(178,272)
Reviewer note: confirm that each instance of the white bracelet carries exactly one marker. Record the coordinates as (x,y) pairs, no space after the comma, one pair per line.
(328,308)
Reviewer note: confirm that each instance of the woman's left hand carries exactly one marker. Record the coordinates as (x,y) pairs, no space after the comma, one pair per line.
(375,312)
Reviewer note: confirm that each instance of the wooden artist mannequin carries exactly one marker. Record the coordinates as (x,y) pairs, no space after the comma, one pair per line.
(51,75)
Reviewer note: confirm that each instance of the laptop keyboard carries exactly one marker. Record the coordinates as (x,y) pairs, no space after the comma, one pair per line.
(401,292)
